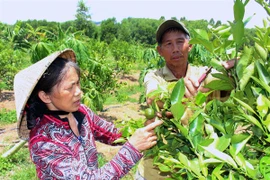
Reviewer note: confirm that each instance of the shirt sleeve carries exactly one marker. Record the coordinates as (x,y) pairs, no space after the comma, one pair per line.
(152,81)
(102,130)
(55,161)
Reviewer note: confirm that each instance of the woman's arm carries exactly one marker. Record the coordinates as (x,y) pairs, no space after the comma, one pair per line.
(57,161)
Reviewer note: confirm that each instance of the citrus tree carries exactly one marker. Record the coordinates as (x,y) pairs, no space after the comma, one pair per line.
(223,139)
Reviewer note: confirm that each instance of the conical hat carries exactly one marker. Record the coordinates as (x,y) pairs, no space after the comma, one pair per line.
(25,82)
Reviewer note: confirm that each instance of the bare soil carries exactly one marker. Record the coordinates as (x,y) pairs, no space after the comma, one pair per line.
(129,110)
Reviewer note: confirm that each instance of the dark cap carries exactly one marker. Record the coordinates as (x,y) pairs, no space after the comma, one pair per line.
(167,25)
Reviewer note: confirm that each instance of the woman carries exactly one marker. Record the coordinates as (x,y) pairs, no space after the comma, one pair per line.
(62,130)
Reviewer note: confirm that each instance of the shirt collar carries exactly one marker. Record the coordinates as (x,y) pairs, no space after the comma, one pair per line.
(168,75)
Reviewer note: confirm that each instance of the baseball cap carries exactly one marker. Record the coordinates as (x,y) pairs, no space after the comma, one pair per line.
(167,25)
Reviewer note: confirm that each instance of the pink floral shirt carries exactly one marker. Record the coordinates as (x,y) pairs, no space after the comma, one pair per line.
(59,154)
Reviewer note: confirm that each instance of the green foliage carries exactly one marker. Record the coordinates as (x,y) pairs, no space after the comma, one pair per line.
(83,20)
(20,159)
(26,171)
(5,165)
(125,55)
(138,30)
(124,93)
(11,61)
(7,116)
(101,160)
(109,30)
(199,55)
(15,36)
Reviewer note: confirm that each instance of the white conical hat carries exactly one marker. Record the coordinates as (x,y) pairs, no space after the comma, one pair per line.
(25,82)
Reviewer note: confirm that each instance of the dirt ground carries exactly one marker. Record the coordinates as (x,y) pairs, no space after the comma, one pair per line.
(8,133)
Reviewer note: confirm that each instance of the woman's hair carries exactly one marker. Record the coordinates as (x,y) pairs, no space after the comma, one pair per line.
(35,107)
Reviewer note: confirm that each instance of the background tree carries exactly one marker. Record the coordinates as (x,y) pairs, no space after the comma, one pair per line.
(212,22)
(109,30)
(83,20)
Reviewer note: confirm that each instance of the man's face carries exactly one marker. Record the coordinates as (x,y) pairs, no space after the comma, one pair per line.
(174,48)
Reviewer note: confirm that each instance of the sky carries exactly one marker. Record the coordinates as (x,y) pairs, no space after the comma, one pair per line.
(64,10)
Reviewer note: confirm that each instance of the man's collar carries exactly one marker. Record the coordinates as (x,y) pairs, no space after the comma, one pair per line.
(168,75)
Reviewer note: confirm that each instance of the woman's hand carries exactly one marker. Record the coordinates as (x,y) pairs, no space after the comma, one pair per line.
(144,138)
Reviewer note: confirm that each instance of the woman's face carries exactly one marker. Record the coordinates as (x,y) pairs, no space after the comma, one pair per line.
(66,95)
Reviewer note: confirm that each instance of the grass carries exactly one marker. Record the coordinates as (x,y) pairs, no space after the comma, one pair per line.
(7,116)
(125,93)
(21,167)
(18,166)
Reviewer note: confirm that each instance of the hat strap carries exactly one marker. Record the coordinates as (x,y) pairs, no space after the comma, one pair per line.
(55,112)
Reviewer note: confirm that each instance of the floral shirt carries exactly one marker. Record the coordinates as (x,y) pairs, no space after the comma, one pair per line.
(59,154)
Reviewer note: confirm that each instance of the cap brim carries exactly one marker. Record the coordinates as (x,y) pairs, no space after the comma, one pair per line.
(167,25)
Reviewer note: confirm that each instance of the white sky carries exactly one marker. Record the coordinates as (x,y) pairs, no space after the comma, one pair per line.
(63,10)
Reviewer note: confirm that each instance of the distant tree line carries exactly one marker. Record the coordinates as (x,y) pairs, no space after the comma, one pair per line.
(131,30)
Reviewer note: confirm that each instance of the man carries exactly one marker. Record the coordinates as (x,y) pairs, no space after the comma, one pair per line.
(173,45)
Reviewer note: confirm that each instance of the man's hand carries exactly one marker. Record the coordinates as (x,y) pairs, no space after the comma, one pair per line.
(193,86)
(229,64)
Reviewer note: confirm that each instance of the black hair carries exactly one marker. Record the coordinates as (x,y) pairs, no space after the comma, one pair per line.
(173,29)
(54,74)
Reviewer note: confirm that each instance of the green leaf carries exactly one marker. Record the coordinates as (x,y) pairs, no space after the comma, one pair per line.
(222,76)
(265,86)
(216,64)
(120,140)
(164,168)
(253,120)
(178,92)
(248,19)
(178,109)
(240,160)
(251,170)
(238,32)
(248,72)
(218,125)
(236,138)
(263,104)
(267,122)
(196,126)
(217,172)
(265,167)
(200,98)
(195,167)
(219,85)
(202,33)
(222,143)
(224,31)
(239,10)
(263,74)
(183,159)
(220,155)
(240,145)
(182,129)
(243,104)
(207,44)
(244,61)
(261,51)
